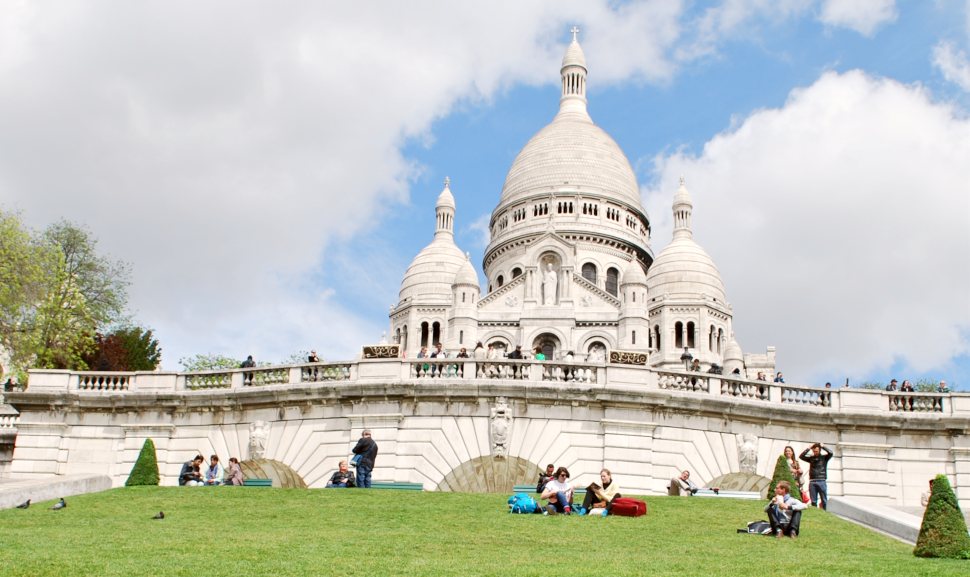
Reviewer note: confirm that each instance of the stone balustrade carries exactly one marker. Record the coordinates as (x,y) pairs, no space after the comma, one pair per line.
(460,370)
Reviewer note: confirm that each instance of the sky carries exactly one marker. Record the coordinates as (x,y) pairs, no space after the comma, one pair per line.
(270,170)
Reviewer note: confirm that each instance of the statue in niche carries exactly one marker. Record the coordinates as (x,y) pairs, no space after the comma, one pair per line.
(258,433)
(500,427)
(748,453)
(550,282)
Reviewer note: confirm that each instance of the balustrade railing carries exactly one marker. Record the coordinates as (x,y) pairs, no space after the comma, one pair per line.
(266,376)
(568,373)
(208,380)
(324,372)
(103,381)
(435,369)
(690,382)
(9,421)
(806,396)
(744,389)
(916,402)
(502,369)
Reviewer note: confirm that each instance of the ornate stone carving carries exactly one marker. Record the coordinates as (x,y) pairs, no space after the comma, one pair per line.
(258,434)
(586,300)
(500,429)
(382,351)
(628,357)
(512,301)
(748,453)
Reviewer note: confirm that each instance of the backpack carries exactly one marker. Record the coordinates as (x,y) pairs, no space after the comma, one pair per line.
(627,507)
(757,528)
(523,503)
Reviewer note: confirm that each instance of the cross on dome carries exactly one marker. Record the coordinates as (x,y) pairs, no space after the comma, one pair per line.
(447,182)
(575,31)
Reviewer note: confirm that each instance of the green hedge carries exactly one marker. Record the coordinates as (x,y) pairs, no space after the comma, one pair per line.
(944,530)
(783,473)
(145,471)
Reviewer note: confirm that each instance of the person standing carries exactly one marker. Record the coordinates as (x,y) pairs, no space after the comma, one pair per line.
(367,449)
(818,462)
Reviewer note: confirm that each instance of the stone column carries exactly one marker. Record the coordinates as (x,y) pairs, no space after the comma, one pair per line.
(865,472)
(961,475)
(628,448)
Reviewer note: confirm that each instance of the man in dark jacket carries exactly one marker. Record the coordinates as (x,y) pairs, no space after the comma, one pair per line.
(367,449)
(818,488)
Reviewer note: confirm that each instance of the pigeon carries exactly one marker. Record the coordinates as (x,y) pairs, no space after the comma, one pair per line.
(59,505)
(24,505)
(161,515)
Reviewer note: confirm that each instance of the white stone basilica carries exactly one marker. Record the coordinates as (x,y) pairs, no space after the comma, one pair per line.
(570,266)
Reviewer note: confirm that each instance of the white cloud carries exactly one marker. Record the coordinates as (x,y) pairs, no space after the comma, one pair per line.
(840,225)
(220,148)
(863,16)
(953,64)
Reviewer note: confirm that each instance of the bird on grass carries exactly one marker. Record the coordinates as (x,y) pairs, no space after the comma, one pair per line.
(161,515)
(59,505)
(24,505)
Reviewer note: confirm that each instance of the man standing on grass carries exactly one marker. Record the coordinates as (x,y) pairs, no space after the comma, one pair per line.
(367,449)
(818,488)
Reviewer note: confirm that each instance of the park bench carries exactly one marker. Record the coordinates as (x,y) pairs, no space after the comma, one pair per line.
(397,485)
(257,482)
(532,489)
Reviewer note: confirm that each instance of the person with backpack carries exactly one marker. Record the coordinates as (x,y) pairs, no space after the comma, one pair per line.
(818,489)
(366,447)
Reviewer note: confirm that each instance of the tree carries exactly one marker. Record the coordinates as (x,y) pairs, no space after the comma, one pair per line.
(943,532)
(782,473)
(145,470)
(56,293)
(208,362)
(126,349)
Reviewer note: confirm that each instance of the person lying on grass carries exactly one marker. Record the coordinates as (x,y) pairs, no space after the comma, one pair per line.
(559,493)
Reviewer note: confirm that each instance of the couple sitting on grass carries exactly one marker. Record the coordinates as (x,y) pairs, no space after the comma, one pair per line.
(599,498)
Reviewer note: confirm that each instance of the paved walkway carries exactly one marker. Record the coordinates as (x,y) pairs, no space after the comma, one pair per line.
(16,490)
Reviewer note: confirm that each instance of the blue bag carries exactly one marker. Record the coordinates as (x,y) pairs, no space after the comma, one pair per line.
(522,503)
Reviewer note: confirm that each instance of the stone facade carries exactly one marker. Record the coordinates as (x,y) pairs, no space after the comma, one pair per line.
(457,428)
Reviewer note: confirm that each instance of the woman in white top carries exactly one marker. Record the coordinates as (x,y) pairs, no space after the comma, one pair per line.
(559,493)
(599,497)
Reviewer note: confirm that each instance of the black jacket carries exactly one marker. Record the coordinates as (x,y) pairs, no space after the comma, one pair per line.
(818,466)
(367,449)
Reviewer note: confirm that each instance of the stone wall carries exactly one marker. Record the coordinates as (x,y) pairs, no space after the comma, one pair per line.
(442,425)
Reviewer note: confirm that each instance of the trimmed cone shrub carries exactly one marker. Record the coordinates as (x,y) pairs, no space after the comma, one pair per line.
(944,530)
(145,471)
(783,473)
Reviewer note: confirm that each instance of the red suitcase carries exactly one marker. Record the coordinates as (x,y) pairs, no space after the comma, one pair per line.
(626,507)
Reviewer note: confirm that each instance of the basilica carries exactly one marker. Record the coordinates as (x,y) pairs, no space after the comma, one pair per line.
(570,267)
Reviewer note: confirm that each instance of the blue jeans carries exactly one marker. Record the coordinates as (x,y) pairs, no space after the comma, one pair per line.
(818,491)
(561,502)
(363,476)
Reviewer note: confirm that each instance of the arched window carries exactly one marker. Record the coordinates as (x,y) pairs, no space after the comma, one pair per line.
(397,336)
(711,346)
(516,272)
(404,338)
(720,339)
(612,280)
(634,296)
(633,338)
(461,337)
(424,334)
(690,335)
(500,281)
(589,272)
(679,335)
(656,337)
(436,333)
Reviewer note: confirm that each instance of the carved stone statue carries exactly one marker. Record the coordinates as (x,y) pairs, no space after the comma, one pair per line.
(748,453)
(500,429)
(258,433)
(550,282)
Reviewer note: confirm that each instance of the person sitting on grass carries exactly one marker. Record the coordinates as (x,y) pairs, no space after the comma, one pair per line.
(190,476)
(682,485)
(559,493)
(599,497)
(235,476)
(545,477)
(214,473)
(344,477)
(784,511)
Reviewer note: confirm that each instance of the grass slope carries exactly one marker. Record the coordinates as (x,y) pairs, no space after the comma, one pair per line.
(252,531)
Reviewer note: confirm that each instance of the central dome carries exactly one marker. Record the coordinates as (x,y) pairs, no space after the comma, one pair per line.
(575,154)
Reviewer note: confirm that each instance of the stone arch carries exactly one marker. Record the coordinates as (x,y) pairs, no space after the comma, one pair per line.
(281,473)
(742,482)
(548,343)
(490,474)
(505,337)
(545,332)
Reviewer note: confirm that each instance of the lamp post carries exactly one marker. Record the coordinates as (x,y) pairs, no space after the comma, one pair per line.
(687,358)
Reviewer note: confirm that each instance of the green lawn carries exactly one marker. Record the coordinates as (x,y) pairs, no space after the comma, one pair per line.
(251,531)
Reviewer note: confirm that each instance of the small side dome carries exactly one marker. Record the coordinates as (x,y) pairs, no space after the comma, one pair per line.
(574,53)
(732,352)
(432,272)
(634,274)
(466,274)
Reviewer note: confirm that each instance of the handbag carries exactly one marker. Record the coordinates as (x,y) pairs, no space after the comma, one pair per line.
(355,460)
